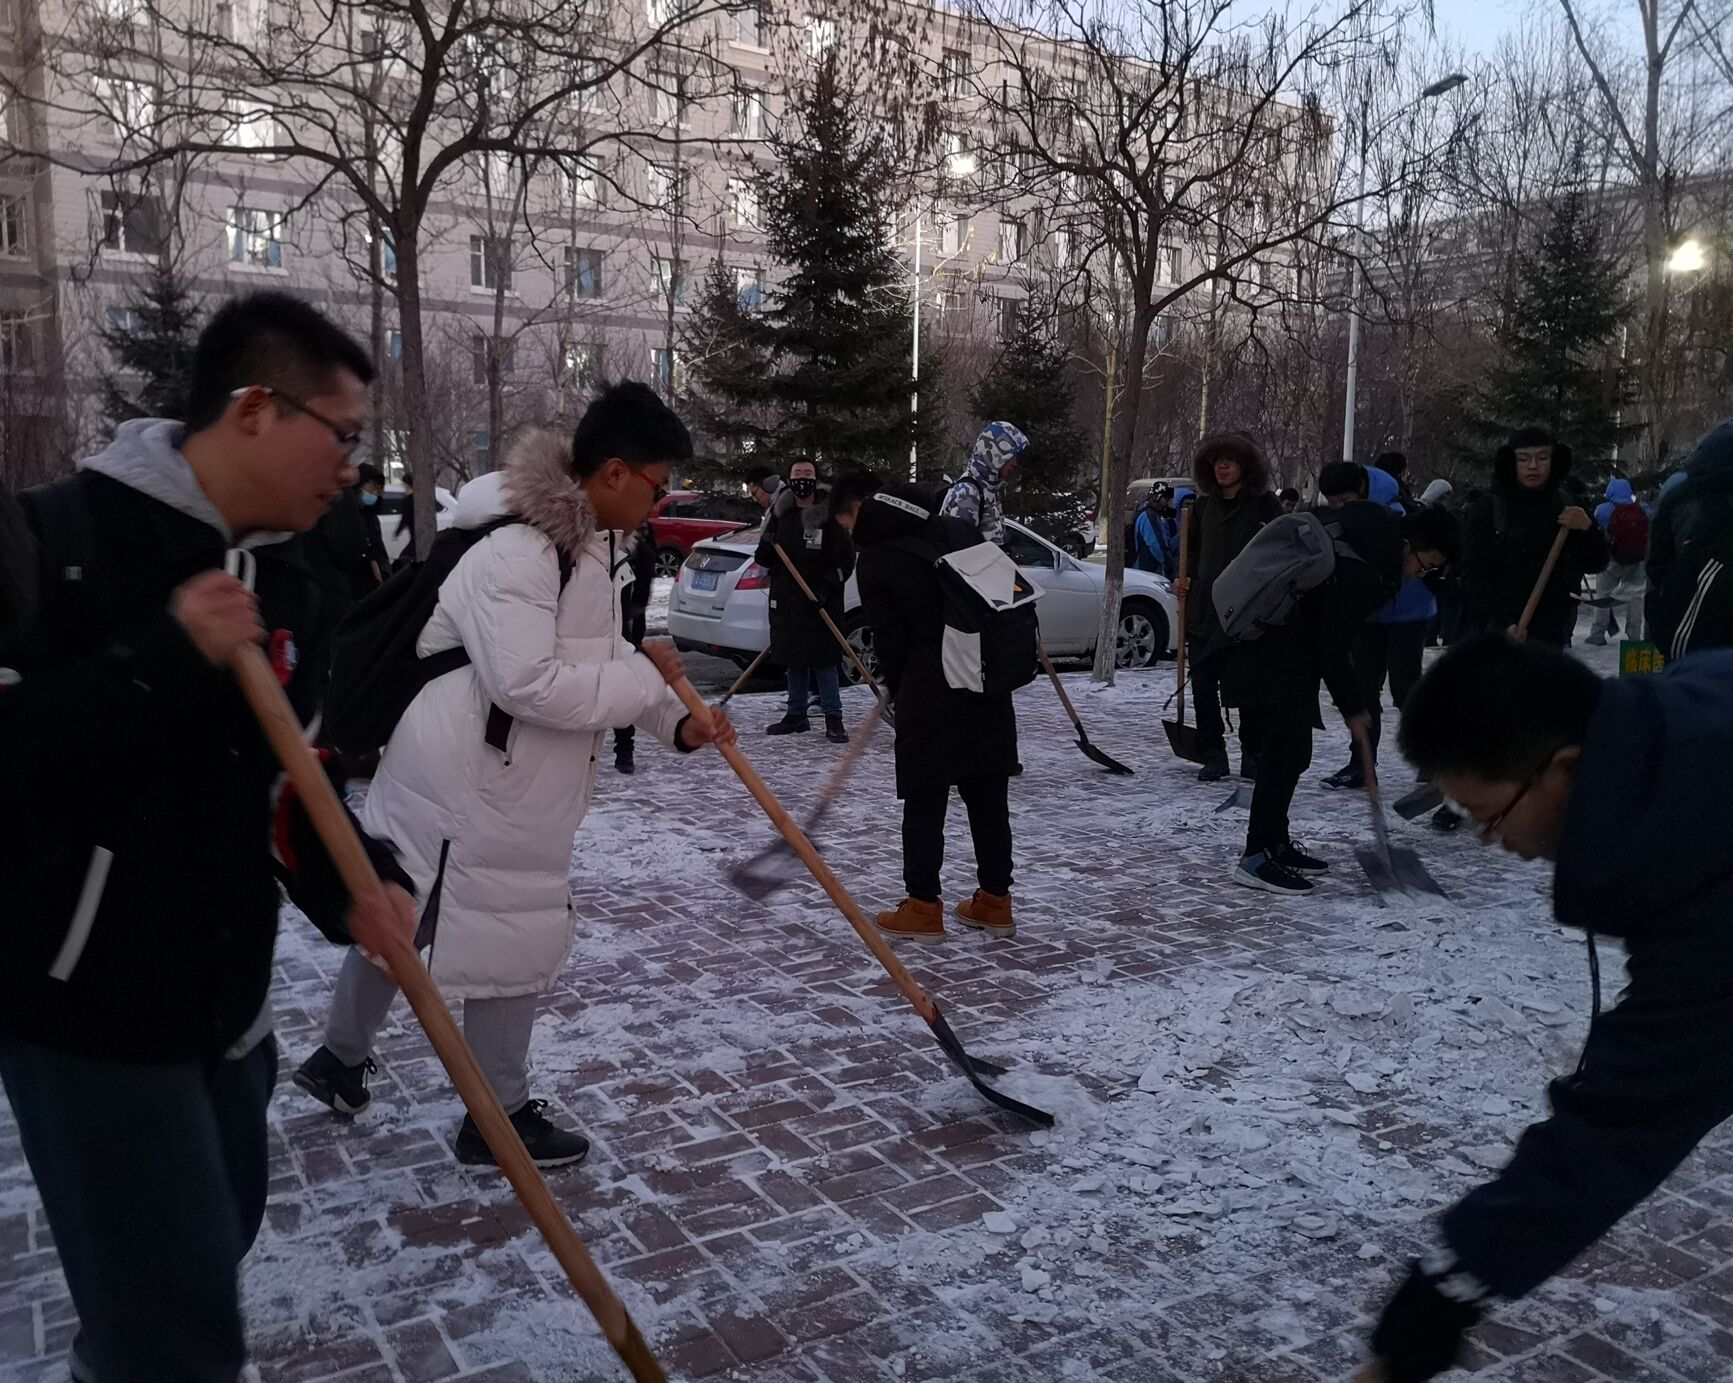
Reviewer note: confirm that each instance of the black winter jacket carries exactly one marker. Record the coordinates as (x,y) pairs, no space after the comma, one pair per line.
(1655,1076)
(1506,540)
(1691,510)
(821,548)
(943,735)
(1281,669)
(140,794)
(1220,530)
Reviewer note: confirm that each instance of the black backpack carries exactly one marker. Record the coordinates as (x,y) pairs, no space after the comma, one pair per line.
(375,672)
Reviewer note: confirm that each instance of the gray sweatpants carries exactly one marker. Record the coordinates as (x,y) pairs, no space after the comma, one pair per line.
(498,1030)
(1624,582)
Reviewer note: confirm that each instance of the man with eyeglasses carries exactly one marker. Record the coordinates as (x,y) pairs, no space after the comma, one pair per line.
(1620,784)
(137,884)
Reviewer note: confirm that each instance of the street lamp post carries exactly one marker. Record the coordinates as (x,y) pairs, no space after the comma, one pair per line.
(1438,88)
(915,362)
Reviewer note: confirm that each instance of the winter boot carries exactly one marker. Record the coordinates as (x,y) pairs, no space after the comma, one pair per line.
(789,725)
(1446,818)
(1350,775)
(834,731)
(988,912)
(623,760)
(1296,861)
(548,1144)
(1216,767)
(1261,871)
(329,1081)
(914,920)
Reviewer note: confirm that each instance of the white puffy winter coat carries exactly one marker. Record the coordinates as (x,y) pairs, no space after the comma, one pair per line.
(487,836)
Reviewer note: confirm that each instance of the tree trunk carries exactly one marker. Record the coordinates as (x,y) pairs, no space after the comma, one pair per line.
(1654,242)
(419,444)
(1136,356)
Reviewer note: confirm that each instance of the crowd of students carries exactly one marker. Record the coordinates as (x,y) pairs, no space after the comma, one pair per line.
(141,876)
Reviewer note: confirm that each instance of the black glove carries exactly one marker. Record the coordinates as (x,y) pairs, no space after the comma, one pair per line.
(1420,1333)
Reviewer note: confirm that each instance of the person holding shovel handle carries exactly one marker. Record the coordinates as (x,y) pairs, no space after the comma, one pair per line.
(138,882)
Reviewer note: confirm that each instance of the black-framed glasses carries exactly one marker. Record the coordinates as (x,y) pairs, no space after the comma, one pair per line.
(345,438)
(1486,830)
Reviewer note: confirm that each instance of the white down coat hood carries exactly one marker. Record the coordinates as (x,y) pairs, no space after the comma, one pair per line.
(487,836)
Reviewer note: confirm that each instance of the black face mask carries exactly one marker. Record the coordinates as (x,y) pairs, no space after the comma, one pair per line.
(803,488)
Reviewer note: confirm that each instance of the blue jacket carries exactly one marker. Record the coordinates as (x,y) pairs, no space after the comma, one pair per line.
(1155,544)
(1618,492)
(1642,856)
(1414,600)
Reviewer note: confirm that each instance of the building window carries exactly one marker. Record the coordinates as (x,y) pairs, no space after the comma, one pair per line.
(660,12)
(954,69)
(668,369)
(482,347)
(394,347)
(949,302)
(1167,264)
(670,108)
(743,202)
(749,284)
(585,185)
(489,263)
(124,320)
(1010,317)
(954,235)
(749,26)
(820,36)
(748,122)
(960,160)
(14,225)
(17,341)
(1010,241)
(581,364)
(666,184)
(387,254)
(131,106)
(669,276)
(584,272)
(256,237)
(1164,331)
(131,224)
(251,125)
(120,12)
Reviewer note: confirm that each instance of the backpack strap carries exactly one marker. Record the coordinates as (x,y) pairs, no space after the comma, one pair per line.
(499,723)
(59,513)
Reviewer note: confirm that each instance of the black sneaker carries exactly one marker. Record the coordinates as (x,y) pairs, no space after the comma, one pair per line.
(789,725)
(1296,861)
(624,762)
(1446,819)
(329,1081)
(1349,776)
(1260,871)
(548,1144)
(834,731)
(1215,768)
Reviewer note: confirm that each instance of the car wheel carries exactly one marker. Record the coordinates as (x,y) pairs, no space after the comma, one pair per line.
(669,561)
(1142,634)
(860,638)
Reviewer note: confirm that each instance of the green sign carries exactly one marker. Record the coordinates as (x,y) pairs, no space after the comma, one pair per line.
(1637,657)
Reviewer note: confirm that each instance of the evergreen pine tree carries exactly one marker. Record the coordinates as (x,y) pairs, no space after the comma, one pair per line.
(1553,371)
(159,352)
(1029,387)
(821,370)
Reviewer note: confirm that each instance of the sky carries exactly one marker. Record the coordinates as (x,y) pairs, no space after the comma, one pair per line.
(1478,24)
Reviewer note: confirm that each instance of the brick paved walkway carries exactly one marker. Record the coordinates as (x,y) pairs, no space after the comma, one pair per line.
(1260,1103)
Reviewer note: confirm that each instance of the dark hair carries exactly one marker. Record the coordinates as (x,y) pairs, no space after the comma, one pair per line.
(1392,463)
(1431,529)
(369,474)
(628,420)
(273,340)
(1288,492)
(852,489)
(1231,446)
(1344,478)
(766,480)
(1497,709)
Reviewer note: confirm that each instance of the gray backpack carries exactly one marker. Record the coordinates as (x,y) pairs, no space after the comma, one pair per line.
(1287,558)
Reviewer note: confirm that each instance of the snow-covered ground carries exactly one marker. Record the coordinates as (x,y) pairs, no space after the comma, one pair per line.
(1260,1102)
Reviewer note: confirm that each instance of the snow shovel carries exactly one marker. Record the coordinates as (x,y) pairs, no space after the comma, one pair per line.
(972,1068)
(830,624)
(1558,546)
(1107,761)
(777,866)
(1183,739)
(1418,801)
(265,696)
(745,676)
(1389,869)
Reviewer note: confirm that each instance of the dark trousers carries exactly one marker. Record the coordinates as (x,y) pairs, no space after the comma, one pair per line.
(632,626)
(988,801)
(154,1181)
(1390,651)
(1206,697)
(1284,744)
(806,682)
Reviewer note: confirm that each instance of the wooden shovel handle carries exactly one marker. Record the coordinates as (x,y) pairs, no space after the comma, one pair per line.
(1558,546)
(1058,686)
(797,841)
(1185,575)
(269,704)
(746,673)
(829,623)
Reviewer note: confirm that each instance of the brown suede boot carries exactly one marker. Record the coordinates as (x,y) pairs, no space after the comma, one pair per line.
(989,912)
(914,920)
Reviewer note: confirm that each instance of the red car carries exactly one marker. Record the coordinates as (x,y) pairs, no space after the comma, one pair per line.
(689,516)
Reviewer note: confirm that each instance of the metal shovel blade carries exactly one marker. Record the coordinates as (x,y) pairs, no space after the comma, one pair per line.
(1101,756)
(773,868)
(1185,741)
(974,1068)
(1239,797)
(1379,872)
(1419,801)
(1389,868)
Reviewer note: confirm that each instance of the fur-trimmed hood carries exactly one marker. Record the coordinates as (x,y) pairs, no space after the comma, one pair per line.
(537,485)
(1254,467)
(1504,461)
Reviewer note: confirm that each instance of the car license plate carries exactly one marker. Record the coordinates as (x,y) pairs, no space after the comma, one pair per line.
(704,580)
